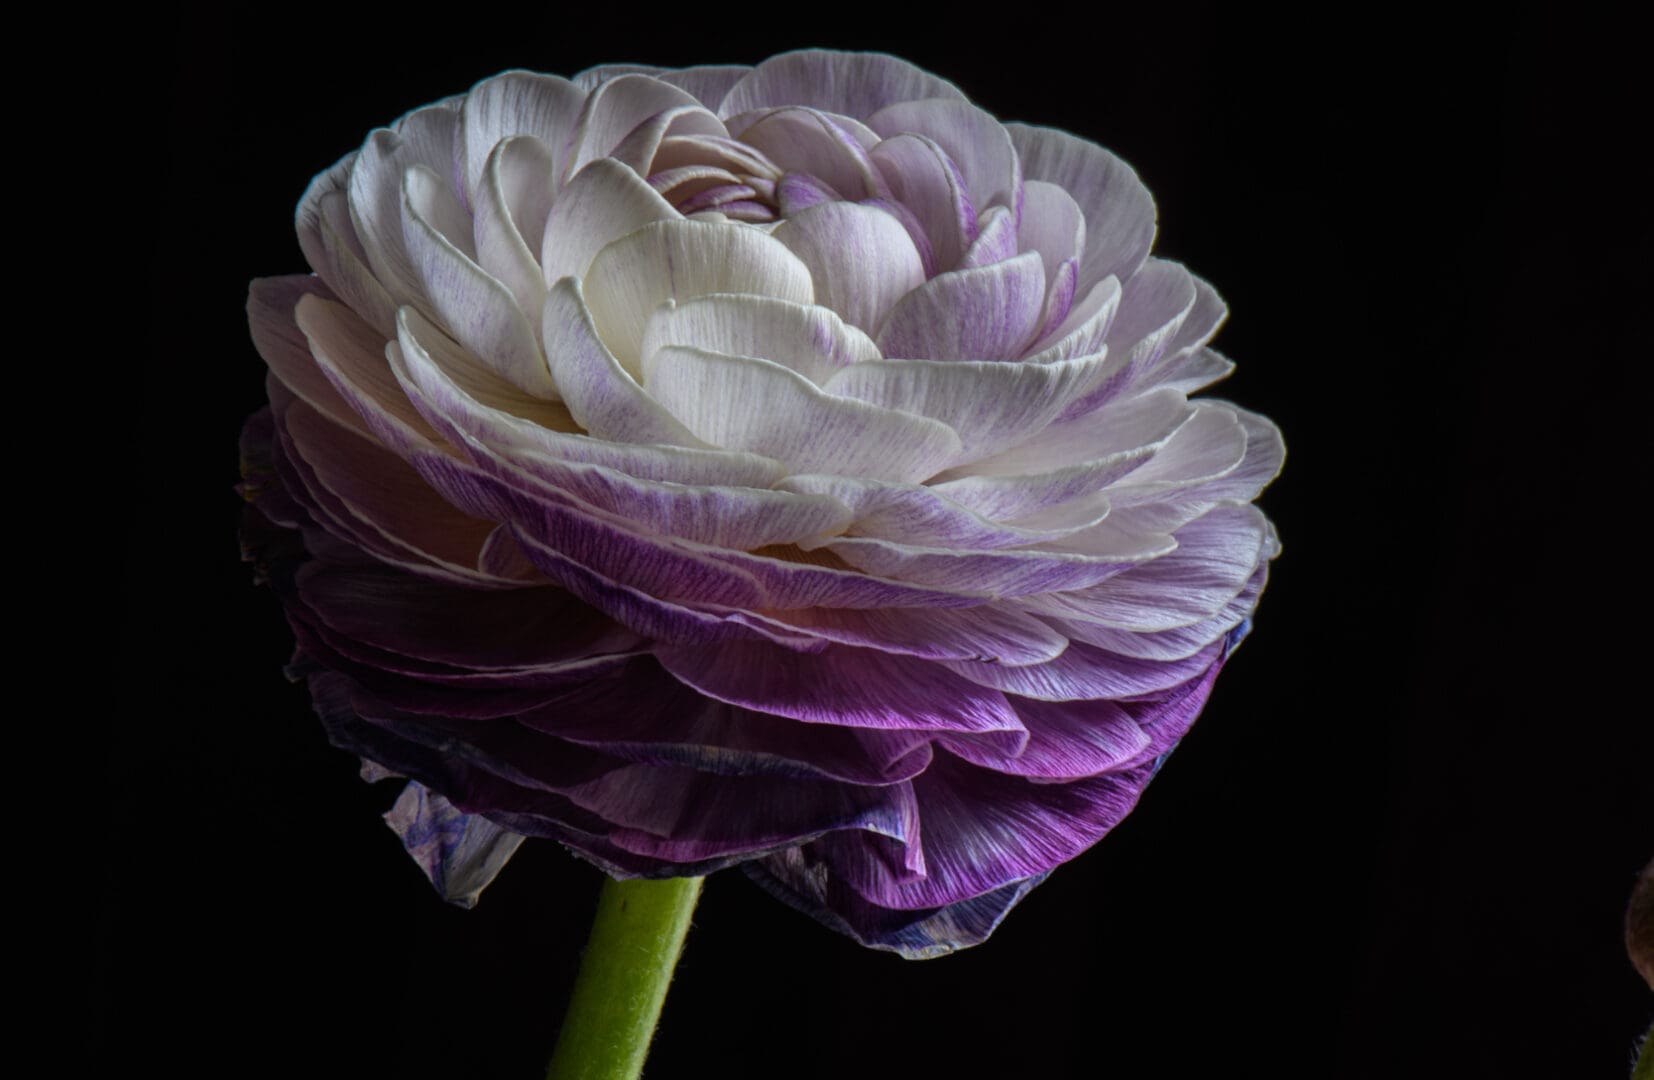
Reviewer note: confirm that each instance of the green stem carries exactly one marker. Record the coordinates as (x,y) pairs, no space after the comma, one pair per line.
(1644,1068)
(635,942)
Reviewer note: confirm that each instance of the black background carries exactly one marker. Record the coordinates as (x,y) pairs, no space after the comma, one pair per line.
(1399,842)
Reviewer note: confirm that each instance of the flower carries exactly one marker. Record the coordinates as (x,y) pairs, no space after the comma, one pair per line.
(787,466)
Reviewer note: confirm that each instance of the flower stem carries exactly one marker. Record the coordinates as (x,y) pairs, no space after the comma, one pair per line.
(635,942)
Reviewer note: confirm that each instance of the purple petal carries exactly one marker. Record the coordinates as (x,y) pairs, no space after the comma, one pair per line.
(989,635)
(380,491)
(926,181)
(643,714)
(999,573)
(795,877)
(981,830)
(860,258)
(1216,556)
(511,629)
(974,140)
(460,853)
(849,687)
(1174,644)
(985,313)
(1086,673)
(1067,741)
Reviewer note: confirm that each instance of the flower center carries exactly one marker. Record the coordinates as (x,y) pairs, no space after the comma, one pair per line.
(706,175)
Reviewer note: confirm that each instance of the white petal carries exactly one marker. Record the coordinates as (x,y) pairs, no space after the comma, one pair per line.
(995,241)
(983,313)
(1198,370)
(472,305)
(709,83)
(922,515)
(743,403)
(637,150)
(807,338)
(1085,330)
(992,405)
(616,107)
(1052,224)
(352,356)
(601,396)
(922,176)
(604,201)
(424,137)
(332,249)
(271,308)
(678,260)
(511,210)
(424,364)
(518,103)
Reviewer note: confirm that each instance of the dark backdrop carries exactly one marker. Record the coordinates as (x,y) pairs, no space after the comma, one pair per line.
(1399,842)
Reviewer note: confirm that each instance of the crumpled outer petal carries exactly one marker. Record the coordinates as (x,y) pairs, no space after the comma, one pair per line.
(790,467)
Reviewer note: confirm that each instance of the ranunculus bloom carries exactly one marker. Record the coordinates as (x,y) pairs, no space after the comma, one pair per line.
(787,466)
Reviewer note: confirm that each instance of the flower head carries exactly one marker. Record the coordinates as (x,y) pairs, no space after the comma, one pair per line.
(787,466)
